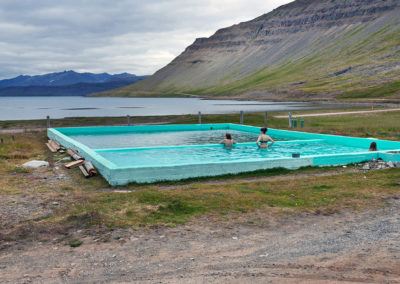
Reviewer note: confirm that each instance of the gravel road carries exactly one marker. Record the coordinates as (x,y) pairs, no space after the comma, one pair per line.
(345,247)
(339,113)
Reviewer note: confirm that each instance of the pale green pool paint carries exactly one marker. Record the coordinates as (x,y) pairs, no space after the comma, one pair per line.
(121,175)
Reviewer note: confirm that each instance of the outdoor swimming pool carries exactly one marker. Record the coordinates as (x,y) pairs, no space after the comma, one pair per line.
(127,154)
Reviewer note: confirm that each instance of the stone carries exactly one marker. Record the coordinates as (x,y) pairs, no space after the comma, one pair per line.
(366,167)
(390,164)
(55,203)
(63,177)
(397,164)
(292,195)
(35,164)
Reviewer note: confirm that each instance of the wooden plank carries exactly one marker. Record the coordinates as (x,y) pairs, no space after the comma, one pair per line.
(55,144)
(74,164)
(51,148)
(77,157)
(90,169)
(74,155)
(70,152)
(84,172)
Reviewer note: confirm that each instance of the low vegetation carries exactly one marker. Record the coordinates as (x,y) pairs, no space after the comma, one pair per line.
(56,200)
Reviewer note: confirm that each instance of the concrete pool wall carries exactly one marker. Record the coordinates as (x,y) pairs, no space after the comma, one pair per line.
(117,175)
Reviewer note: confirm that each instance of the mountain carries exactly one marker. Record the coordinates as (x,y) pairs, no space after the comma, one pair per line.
(63,78)
(67,83)
(307,49)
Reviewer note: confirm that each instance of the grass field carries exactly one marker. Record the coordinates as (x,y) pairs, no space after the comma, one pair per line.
(92,203)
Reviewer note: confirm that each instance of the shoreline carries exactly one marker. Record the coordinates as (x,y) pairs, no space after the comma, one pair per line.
(102,110)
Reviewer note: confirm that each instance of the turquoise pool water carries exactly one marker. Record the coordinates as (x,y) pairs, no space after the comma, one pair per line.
(218,153)
(167,138)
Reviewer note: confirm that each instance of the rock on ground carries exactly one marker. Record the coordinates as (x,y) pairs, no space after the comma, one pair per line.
(35,164)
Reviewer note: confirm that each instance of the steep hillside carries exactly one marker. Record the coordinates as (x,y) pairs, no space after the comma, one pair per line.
(306,49)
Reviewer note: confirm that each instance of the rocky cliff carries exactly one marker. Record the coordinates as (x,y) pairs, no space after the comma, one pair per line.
(315,49)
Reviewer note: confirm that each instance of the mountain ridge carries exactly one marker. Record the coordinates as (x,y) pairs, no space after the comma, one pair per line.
(63,78)
(67,83)
(307,49)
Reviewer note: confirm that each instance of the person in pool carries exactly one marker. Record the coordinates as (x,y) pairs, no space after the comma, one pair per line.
(228,141)
(263,139)
(373,147)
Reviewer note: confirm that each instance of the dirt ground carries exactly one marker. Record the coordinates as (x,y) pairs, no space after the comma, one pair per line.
(344,247)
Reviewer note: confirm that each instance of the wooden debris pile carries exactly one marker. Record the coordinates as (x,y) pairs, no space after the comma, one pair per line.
(55,147)
(86,167)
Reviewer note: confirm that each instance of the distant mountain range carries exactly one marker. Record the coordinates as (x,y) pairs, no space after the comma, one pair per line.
(307,49)
(67,83)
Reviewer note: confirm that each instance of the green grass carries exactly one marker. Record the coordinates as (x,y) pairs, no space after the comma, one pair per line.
(20,170)
(375,91)
(75,243)
(153,206)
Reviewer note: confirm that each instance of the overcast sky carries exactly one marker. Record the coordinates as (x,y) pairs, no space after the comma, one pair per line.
(114,36)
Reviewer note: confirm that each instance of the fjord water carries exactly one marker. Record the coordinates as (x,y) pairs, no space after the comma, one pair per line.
(21,108)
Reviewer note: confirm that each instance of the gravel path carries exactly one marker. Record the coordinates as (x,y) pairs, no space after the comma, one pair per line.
(345,247)
(340,113)
(20,130)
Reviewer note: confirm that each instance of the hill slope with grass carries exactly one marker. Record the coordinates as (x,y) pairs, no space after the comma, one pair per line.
(308,49)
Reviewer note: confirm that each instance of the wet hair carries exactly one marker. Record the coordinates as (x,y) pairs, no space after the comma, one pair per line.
(372,147)
(228,136)
(264,130)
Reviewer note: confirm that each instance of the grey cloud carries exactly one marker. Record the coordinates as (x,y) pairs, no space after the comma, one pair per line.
(110,36)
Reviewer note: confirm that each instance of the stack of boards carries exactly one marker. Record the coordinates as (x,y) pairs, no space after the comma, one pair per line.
(86,168)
